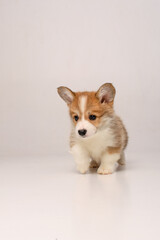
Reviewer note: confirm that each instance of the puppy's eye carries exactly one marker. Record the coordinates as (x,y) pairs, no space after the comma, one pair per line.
(76,118)
(92,117)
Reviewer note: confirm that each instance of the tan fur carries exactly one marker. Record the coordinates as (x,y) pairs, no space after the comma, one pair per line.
(93,106)
(112,150)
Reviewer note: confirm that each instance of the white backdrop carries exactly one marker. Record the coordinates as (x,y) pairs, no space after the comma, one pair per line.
(80,44)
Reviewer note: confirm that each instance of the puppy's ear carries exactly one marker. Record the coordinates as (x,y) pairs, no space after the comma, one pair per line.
(66,94)
(106,93)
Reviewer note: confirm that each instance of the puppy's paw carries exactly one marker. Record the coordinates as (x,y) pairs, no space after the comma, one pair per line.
(93,164)
(105,170)
(121,161)
(82,168)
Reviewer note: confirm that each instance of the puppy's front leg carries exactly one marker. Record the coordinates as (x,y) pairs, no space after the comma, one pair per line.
(108,163)
(81,158)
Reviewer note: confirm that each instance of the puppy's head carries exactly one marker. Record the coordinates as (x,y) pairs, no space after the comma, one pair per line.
(88,110)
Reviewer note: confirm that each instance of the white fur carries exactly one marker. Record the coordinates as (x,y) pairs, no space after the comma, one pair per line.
(108,163)
(97,143)
(93,147)
(84,124)
(82,104)
(81,157)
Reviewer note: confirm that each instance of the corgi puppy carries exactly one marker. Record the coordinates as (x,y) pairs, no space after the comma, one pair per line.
(98,136)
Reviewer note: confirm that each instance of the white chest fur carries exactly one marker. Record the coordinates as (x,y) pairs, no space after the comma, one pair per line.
(98,143)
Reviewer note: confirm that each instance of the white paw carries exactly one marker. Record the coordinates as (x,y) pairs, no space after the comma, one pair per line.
(105,170)
(82,168)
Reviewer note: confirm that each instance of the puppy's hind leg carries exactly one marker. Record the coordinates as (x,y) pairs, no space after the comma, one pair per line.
(122,160)
(93,164)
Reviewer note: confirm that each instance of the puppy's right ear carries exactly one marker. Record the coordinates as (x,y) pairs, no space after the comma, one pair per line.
(66,94)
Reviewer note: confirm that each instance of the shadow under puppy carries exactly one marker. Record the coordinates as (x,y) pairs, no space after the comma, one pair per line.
(98,136)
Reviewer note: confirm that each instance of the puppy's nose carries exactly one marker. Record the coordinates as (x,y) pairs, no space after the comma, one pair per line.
(82,132)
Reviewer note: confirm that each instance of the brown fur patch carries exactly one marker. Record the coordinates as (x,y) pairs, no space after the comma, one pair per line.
(112,150)
(93,107)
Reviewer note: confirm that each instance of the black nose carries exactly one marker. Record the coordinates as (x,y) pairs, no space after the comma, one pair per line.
(82,132)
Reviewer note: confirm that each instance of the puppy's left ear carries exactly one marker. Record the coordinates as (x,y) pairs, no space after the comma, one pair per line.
(66,94)
(106,93)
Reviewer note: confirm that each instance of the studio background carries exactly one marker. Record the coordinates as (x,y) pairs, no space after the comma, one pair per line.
(81,45)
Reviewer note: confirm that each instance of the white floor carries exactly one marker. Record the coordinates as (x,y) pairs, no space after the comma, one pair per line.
(44,198)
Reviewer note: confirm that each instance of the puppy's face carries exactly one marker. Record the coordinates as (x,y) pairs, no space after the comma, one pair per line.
(88,110)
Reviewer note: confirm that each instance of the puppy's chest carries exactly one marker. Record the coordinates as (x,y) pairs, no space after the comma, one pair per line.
(99,143)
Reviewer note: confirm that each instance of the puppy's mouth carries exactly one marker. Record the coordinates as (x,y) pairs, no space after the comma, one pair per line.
(86,136)
(83,136)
